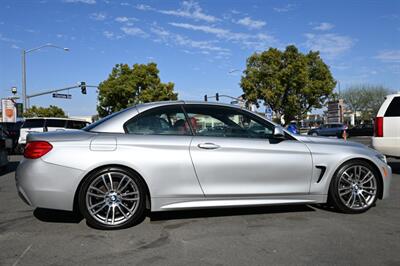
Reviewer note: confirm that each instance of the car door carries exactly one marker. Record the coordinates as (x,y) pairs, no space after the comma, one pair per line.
(156,144)
(324,130)
(234,154)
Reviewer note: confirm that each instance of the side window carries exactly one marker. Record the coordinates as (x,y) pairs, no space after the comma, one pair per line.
(394,108)
(161,121)
(226,122)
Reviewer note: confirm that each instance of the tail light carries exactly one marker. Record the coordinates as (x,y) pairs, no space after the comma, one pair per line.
(378,126)
(37,149)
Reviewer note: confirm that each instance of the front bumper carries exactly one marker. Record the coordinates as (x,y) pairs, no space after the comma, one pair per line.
(46,185)
(386,173)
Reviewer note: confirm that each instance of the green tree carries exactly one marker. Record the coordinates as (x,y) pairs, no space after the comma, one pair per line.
(365,98)
(127,86)
(290,82)
(51,111)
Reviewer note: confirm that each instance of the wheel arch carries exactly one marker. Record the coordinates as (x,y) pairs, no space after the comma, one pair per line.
(129,169)
(369,162)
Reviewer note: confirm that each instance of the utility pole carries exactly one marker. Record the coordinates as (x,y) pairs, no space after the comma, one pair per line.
(24,79)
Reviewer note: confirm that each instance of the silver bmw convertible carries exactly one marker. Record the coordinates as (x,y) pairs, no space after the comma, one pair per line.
(187,155)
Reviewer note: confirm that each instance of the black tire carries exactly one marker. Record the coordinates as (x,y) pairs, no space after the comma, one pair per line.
(139,208)
(339,202)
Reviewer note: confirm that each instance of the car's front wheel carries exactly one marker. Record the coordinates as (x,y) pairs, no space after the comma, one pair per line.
(112,198)
(354,188)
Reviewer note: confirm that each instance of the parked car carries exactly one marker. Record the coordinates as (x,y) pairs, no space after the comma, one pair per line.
(331,130)
(387,127)
(12,131)
(48,124)
(3,149)
(190,155)
(361,130)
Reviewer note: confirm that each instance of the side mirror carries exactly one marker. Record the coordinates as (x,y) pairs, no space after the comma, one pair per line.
(279,133)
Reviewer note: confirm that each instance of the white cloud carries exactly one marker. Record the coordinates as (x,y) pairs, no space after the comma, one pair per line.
(203,45)
(330,45)
(111,35)
(207,29)
(253,41)
(108,34)
(15,46)
(126,20)
(134,31)
(189,9)
(122,19)
(285,8)
(160,32)
(144,7)
(324,26)
(6,39)
(125,4)
(389,56)
(98,16)
(250,23)
(89,2)
(169,38)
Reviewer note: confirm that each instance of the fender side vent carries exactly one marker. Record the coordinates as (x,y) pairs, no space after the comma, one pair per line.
(321,174)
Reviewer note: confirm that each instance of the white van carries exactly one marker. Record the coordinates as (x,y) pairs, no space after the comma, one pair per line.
(387,127)
(47,124)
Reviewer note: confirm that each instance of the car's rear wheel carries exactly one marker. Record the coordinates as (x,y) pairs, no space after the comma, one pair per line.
(315,134)
(112,198)
(354,188)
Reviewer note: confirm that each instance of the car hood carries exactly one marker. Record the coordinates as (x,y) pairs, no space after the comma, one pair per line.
(327,140)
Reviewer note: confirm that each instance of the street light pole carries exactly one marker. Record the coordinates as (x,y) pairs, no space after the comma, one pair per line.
(24,52)
(24,79)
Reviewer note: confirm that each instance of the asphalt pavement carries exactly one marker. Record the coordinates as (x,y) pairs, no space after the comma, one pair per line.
(274,235)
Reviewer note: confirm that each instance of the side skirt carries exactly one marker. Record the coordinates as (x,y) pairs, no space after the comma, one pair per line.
(165,204)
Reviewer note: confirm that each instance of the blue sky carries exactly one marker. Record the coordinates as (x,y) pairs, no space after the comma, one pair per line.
(196,44)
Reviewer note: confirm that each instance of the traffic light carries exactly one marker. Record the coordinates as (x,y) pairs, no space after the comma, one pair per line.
(83,87)
(217,96)
(20,109)
(205,97)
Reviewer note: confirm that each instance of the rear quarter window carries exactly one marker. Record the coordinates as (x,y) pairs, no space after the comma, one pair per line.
(394,108)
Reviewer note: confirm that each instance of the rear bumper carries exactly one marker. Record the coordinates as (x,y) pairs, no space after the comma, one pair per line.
(46,185)
(387,146)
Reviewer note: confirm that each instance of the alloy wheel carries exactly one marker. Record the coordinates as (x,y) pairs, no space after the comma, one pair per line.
(112,198)
(357,188)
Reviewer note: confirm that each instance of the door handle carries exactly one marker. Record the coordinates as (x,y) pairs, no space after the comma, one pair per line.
(208,146)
